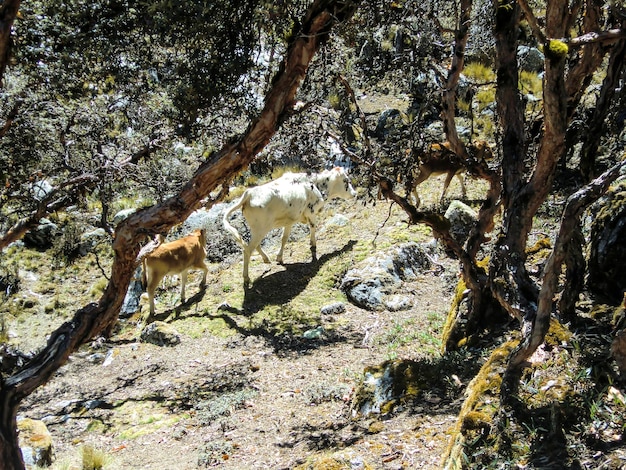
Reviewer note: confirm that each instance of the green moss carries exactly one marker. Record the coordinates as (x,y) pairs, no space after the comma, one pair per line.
(481,402)
(557,49)
(541,244)
(557,334)
(461,287)
(375,427)
(476,420)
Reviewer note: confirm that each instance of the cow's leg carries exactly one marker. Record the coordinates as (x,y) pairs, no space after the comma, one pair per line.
(286,232)
(312,226)
(266,259)
(246,263)
(449,177)
(462,181)
(421,177)
(183,283)
(204,268)
(255,244)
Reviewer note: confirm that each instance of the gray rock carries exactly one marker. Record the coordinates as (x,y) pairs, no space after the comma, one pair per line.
(35,442)
(123,214)
(41,189)
(42,237)
(369,284)
(530,59)
(462,218)
(161,334)
(395,303)
(133,295)
(333,309)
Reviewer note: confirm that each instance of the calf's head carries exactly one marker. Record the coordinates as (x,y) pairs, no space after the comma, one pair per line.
(335,183)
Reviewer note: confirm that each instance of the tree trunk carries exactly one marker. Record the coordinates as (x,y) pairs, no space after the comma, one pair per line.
(574,274)
(10,454)
(448,101)
(132,232)
(596,124)
(8,13)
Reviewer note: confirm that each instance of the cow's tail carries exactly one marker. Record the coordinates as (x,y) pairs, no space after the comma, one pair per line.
(242,200)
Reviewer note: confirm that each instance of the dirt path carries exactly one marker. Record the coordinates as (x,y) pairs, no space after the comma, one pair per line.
(257,401)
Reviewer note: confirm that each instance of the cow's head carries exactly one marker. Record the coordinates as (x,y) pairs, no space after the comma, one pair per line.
(335,183)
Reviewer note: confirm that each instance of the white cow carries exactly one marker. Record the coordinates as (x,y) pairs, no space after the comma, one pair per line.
(294,197)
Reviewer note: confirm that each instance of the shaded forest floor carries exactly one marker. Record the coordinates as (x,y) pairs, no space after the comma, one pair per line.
(262,379)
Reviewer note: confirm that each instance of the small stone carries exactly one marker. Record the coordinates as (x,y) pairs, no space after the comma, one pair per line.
(161,334)
(333,309)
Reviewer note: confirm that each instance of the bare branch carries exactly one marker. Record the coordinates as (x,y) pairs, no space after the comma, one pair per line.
(532,21)
(52,202)
(611,35)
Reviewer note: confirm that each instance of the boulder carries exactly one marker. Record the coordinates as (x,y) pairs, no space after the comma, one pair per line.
(462,218)
(530,59)
(35,442)
(123,214)
(220,244)
(388,385)
(40,189)
(333,309)
(42,237)
(133,295)
(373,283)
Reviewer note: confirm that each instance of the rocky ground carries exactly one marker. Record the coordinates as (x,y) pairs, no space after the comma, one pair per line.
(266,379)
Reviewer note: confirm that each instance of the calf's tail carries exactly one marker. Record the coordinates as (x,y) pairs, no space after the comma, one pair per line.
(242,200)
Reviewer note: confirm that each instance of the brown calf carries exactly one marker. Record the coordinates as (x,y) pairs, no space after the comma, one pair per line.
(176,257)
(440,159)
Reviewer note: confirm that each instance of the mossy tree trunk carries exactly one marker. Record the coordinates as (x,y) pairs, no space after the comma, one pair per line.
(526,179)
(220,167)
(538,322)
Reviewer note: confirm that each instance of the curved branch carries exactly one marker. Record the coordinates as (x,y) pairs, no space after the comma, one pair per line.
(532,22)
(448,99)
(50,203)
(593,37)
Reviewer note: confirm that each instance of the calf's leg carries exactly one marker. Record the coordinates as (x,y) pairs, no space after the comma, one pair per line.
(153,282)
(462,181)
(183,283)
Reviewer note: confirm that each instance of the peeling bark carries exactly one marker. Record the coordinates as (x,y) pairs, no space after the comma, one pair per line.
(93,319)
